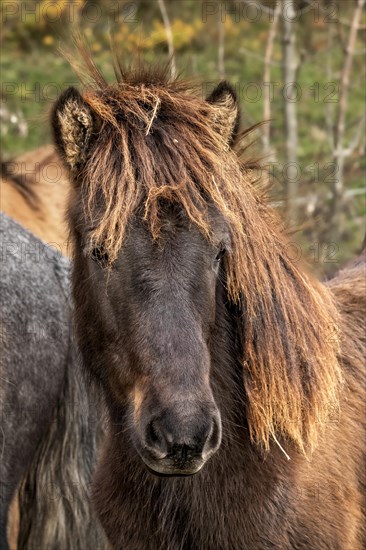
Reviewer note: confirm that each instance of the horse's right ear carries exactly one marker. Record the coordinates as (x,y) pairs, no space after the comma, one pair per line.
(226,120)
(72,123)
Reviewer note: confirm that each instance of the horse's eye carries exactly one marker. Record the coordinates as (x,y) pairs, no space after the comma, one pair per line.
(220,254)
(99,255)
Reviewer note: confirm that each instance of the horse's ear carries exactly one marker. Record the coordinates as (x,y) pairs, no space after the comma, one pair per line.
(73,124)
(226,119)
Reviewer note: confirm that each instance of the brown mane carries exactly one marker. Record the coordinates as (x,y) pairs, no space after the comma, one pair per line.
(158,141)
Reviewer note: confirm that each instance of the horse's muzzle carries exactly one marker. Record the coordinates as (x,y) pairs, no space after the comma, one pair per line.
(173,446)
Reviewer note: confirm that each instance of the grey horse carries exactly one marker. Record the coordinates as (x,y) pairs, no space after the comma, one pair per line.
(49,428)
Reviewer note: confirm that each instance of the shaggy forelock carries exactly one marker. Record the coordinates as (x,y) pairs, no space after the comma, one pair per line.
(156,144)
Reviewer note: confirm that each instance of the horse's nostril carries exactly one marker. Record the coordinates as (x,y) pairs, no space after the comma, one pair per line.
(215,435)
(155,439)
(154,436)
(213,439)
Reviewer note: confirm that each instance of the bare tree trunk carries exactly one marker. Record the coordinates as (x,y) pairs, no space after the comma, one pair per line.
(169,36)
(268,150)
(329,108)
(221,49)
(289,68)
(340,151)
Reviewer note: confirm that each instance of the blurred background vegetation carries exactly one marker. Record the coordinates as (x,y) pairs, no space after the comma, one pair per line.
(257,46)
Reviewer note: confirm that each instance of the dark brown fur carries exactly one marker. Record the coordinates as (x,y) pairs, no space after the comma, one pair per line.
(152,172)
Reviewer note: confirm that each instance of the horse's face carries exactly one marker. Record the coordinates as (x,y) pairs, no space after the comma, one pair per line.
(162,299)
(145,323)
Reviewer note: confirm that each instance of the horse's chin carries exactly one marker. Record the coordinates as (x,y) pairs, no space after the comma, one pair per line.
(168,470)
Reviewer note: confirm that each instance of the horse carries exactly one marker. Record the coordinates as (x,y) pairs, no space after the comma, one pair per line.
(234,380)
(34,191)
(49,431)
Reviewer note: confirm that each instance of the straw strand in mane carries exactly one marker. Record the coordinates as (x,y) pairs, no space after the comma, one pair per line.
(151,140)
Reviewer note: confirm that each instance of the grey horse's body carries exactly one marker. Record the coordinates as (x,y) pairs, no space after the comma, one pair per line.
(48,434)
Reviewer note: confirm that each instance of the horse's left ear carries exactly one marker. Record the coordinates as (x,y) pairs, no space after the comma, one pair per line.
(226,119)
(73,124)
